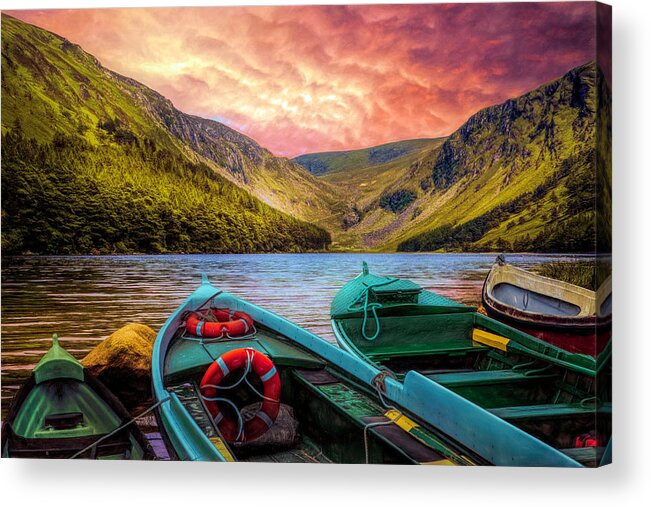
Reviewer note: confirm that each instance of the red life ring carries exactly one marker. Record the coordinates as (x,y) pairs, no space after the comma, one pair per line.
(265,417)
(229,323)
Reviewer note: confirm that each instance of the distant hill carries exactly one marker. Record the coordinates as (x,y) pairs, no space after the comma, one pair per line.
(335,161)
(97,162)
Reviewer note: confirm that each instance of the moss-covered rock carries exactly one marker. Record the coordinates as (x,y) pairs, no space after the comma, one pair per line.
(123,363)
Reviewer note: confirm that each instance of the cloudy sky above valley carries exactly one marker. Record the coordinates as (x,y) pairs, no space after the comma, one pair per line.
(307,79)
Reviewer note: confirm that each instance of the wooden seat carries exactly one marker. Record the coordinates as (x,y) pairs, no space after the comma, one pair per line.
(409,445)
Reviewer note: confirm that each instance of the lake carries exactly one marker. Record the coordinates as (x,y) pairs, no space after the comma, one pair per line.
(85,299)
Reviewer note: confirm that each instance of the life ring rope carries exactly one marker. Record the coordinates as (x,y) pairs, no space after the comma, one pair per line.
(269,410)
(205,325)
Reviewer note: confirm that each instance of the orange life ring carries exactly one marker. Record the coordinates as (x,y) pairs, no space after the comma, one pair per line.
(263,367)
(229,323)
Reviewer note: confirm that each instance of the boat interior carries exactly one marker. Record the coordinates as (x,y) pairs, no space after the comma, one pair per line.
(533,302)
(544,398)
(325,416)
(60,418)
(532,293)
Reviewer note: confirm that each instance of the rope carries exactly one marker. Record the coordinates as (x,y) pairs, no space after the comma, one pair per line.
(378,383)
(370,306)
(240,419)
(210,299)
(119,428)
(207,339)
(366,428)
(216,339)
(243,377)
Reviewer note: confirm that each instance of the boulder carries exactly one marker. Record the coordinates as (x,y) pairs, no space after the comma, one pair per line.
(123,363)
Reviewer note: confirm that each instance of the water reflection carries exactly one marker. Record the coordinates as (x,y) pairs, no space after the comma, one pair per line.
(85,299)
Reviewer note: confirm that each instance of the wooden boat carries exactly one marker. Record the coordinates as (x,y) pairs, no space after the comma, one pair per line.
(320,404)
(570,317)
(549,393)
(64,412)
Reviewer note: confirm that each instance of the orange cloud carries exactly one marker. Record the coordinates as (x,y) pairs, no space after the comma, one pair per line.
(317,78)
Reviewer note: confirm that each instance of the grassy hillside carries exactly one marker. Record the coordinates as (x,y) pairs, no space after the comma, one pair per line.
(378,194)
(96,162)
(516,176)
(345,161)
(520,175)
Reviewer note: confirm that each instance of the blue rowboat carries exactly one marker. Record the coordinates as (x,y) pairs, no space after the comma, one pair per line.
(334,407)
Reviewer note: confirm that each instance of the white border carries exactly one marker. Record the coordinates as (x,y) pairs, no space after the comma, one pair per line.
(625,483)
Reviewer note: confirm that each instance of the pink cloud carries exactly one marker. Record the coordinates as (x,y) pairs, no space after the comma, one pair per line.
(317,78)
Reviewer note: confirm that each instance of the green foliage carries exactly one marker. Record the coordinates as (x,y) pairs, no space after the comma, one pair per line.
(94,162)
(575,233)
(583,274)
(398,200)
(522,175)
(68,197)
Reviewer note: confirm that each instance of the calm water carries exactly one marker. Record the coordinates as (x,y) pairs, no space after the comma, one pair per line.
(85,299)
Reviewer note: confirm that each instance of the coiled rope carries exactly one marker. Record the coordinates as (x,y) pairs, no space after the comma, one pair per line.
(368,306)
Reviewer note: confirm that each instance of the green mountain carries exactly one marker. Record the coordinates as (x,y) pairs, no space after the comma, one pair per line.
(375,192)
(520,175)
(340,161)
(97,162)
(516,176)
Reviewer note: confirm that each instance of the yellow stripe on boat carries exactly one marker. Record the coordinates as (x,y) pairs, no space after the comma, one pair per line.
(490,339)
(441,463)
(402,420)
(418,432)
(221,447)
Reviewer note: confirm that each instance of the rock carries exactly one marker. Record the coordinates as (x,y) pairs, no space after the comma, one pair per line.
(123,363)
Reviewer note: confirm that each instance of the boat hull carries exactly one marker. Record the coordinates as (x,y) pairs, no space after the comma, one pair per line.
(585,336)
(565,316)
(546,391)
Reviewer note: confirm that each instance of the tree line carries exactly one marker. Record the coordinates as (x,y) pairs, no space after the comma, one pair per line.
(131,196)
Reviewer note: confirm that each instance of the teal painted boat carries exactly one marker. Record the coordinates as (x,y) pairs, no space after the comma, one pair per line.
(318,403)
(62,411)
(560,398)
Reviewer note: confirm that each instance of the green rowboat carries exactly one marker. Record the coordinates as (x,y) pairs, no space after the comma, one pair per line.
(62,411)
(560,398)
(327,406)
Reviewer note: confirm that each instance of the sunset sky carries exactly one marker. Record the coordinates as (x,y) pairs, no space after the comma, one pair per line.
(307,79)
